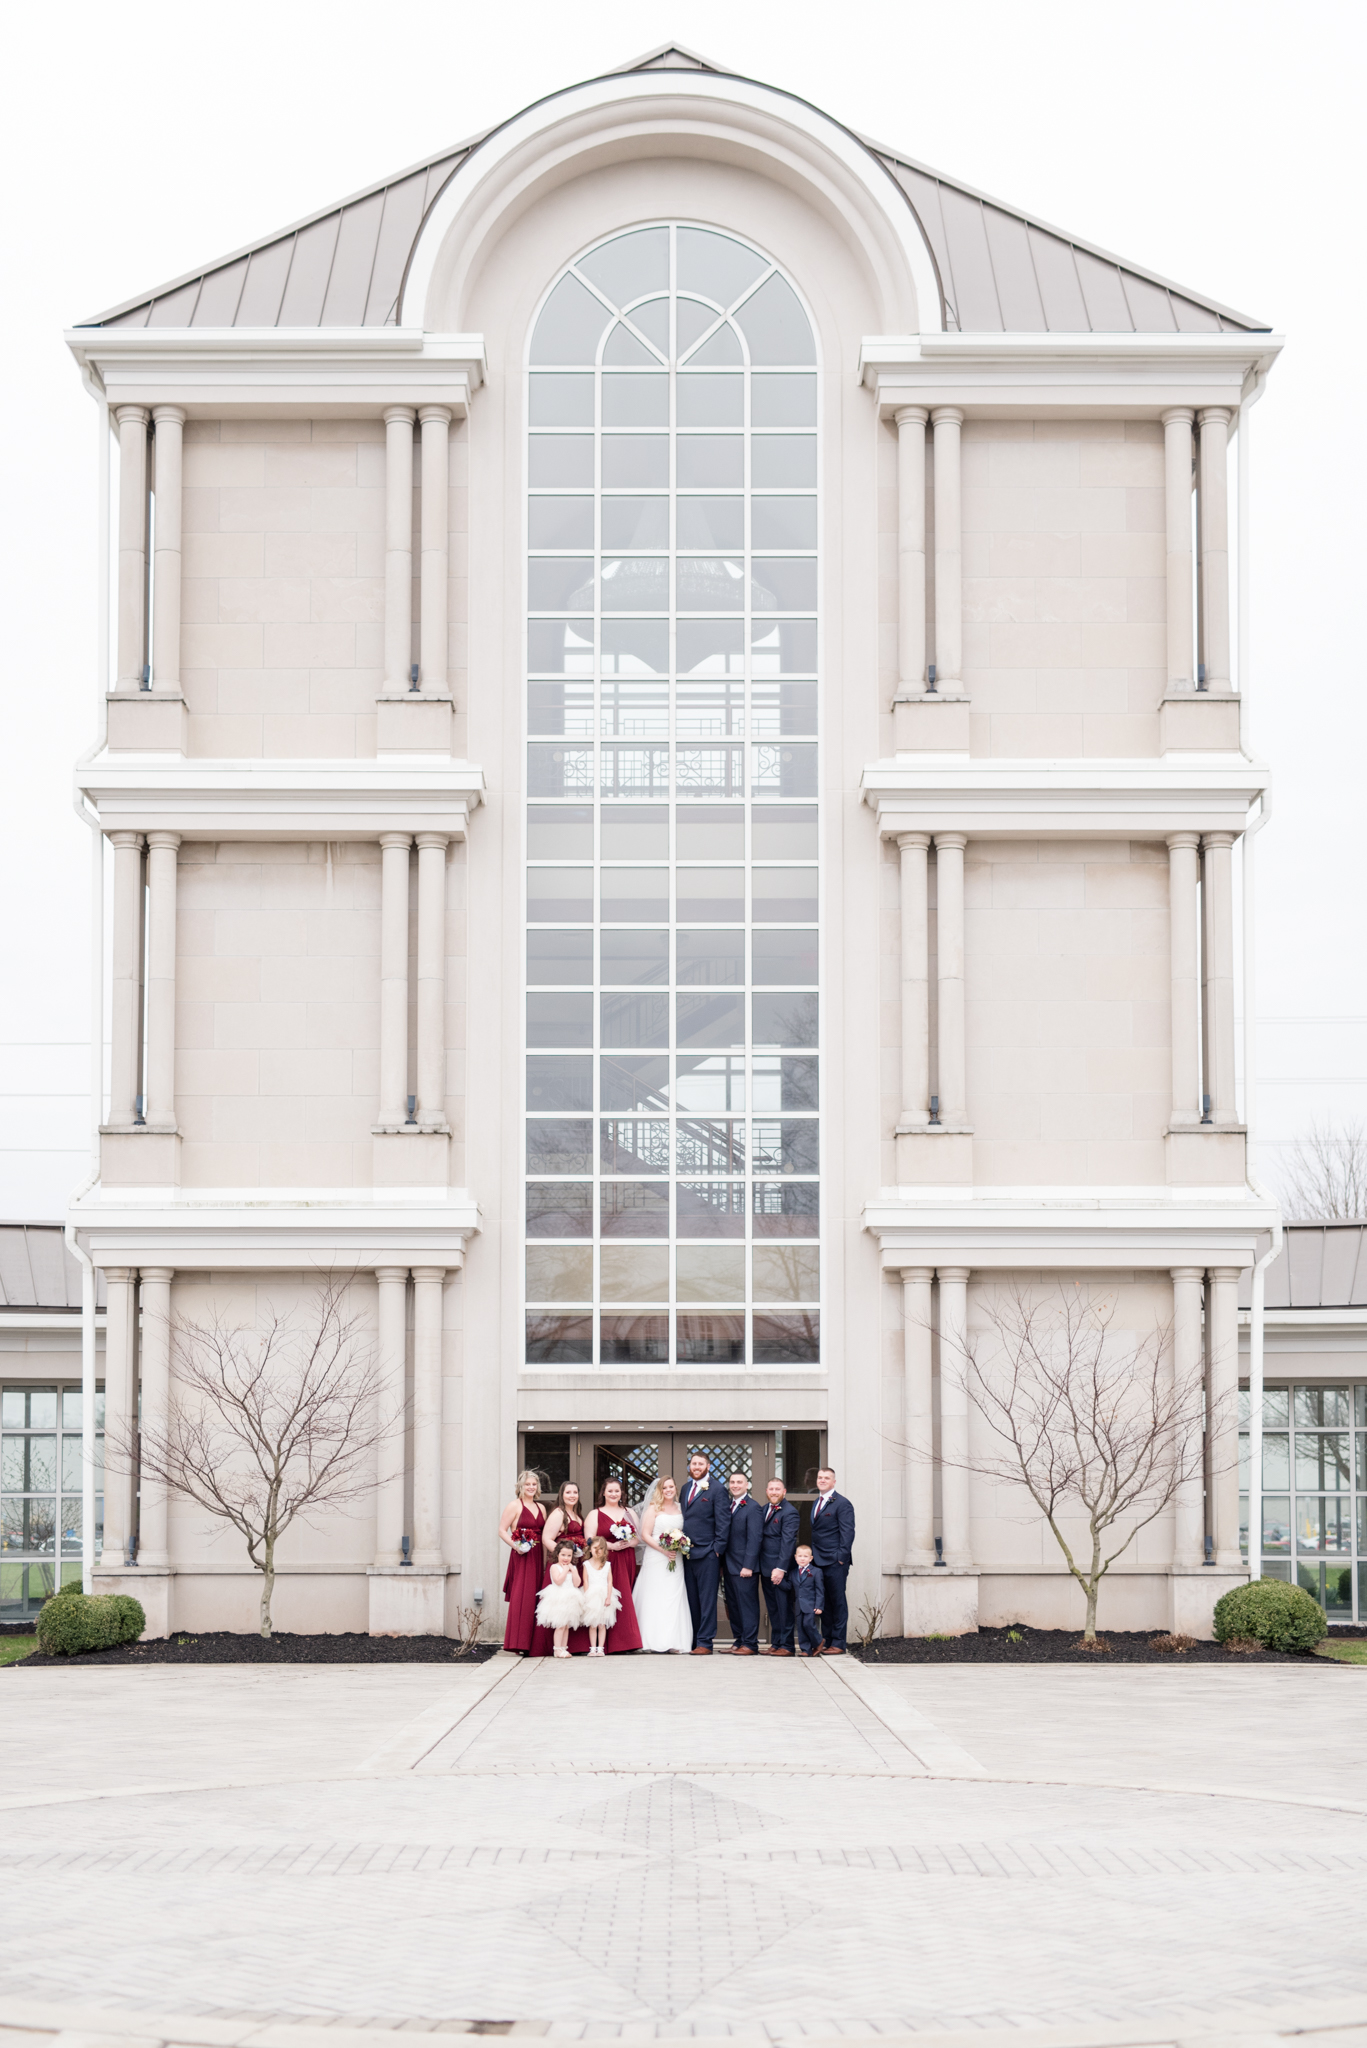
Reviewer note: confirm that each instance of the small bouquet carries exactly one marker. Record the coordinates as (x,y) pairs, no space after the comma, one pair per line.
(524,1544)
(675,1545)
(621,1532)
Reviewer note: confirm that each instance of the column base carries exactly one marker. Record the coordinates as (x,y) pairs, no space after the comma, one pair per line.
(407,1600)
(935,724)
(139,1157)
(939,1599)
(414,722)
(151,1587)
(1199,722)
(1193,1590)
(1207,1155)
(934,1155)
(410,1157)
(146,721)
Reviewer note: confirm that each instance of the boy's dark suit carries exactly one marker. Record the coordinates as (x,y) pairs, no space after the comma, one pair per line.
(832,1549)
(777,1542)
(707,1527)
(809,1597)
(742,1554)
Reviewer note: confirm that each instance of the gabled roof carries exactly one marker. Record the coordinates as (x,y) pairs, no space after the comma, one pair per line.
(1001,270)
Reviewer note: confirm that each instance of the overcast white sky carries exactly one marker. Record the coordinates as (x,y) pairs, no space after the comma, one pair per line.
(1220,144)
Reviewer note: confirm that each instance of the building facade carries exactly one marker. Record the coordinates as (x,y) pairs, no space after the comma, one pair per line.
(672,768)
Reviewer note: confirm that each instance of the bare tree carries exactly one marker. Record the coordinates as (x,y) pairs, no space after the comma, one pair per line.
(267,1427)
(1089,1427)
(1324,1177)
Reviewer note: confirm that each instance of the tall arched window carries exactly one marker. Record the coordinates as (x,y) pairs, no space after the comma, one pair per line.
(673,1055)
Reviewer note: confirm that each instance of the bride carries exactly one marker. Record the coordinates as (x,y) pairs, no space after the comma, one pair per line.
(661,1595)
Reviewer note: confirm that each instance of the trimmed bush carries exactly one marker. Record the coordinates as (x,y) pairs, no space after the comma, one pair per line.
(73,1621)
(1270,1612)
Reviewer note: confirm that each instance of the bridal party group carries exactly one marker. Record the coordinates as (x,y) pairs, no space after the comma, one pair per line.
(614,1578)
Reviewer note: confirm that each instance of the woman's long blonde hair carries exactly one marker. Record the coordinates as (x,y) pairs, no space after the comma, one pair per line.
(522,1479)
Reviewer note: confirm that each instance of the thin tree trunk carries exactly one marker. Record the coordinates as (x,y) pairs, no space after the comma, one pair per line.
(267,1584)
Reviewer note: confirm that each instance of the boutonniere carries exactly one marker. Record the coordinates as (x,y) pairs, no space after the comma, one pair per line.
(703,1485)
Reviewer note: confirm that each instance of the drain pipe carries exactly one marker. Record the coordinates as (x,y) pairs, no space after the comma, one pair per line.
(87,817)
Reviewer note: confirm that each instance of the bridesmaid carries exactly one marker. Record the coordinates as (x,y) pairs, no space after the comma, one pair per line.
(521,1529)
(564,1524)
(611,1514)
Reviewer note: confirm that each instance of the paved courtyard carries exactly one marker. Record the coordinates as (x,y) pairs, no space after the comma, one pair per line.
(651,1848)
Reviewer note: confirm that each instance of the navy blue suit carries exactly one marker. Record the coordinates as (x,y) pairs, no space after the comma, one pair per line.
(777,1542)
(809,1594)
(832,1549)
(742,1554)
(707,1526)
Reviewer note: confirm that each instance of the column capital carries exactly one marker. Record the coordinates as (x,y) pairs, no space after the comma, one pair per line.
(913,842)
(1187,1273)
(951,840)
(1184,841)
(430,1273)
(131,415)
(947,416)
(159,1276)
(392,1273)
(434,412)
(390,840)
(165,841)
(923,1274)
(1213,415)
(119,1276)
(1227,1274)
(174,413)
(125,842)
(1177,415)
(911,416)
(428,840)
(954,1273)
(1218,842)
(398,415)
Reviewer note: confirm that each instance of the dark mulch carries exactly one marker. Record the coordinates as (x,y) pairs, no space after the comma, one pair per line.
(1064,1646)
(218,1647)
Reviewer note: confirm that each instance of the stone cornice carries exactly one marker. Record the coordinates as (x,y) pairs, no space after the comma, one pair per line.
(254,799)
(1097,1229)
(1064,798)
(1136,375)
(318,1230)
(211,371)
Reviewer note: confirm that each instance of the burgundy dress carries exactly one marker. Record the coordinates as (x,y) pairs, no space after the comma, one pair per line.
(625,1633)
(543,1643)
(522,1581)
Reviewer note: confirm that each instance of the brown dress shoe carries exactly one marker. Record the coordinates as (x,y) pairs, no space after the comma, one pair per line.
(832,1650)
(742,1650)
(780,1653)
(701,1650)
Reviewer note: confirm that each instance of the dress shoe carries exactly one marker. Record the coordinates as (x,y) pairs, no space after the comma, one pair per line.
(701,1650)
(832,1650)
(742,1650)
(780,1653)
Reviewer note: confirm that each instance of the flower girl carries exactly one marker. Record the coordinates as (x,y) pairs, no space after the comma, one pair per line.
(560,1604)
(601,1598)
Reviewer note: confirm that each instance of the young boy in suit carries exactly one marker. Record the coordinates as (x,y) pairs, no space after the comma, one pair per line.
(809,1593)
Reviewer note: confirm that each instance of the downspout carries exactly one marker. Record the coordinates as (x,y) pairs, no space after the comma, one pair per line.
(1257,1301)
(87,817)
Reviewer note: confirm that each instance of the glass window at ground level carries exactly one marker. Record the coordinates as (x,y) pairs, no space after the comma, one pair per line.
(1314,1493)
(41,1493)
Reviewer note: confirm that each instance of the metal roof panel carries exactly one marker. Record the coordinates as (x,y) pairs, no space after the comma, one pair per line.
(265,286)
(306,286)
(1341,1244)
(1008,240)
(1108,309)
(1065,310)
(976,288)
(220,295)
(1305,1257)
(348,289)
(404,205)
(1150,306)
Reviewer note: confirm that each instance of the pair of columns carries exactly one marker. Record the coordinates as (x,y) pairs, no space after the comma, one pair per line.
(1202,965)
(430,1104)
(167,422)
(427,1416)
(127,1063)
(136,1514)
(435,424)
(918,1426)
(912,658)
(1212,514)
(952,1086)
(1209,1348)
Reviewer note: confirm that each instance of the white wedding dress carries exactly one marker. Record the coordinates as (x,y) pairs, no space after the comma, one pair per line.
(660,1595)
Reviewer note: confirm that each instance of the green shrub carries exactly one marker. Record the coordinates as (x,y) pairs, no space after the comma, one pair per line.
(72,1622)
(1270,1612)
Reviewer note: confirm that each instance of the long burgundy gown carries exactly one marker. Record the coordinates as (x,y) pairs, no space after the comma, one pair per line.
(543,1643)
(625,1633)
(522,1581)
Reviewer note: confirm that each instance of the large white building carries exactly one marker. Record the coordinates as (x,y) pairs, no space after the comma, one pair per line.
(672,767)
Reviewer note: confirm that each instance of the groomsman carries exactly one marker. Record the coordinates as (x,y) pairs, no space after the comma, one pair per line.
(741,1567)
(707,1525)
(832,1547)
(777,1545)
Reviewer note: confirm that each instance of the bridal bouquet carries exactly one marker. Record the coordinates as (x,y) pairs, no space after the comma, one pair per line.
(525,1543)
(621,1532)
(675,1545)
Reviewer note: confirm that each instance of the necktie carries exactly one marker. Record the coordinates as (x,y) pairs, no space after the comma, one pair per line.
(767,1513)
(821,1502)
(692,1493)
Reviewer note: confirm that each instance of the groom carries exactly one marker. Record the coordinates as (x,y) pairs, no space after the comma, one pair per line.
(707,1525)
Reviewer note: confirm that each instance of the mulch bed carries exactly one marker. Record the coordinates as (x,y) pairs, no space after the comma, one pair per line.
(218,1647)
(1064,1646)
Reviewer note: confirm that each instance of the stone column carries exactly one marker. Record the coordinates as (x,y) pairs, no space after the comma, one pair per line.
(436,554)
(949,577)
(126,1019)
(1189,1521)
(398,544)
(427,1286)
(120,1359)
(394,979)
(161,980)
(1186,1026)
(954,1487)
(1223,1458)
(169,420)
(1214,532)
(1218,900)
(911,550)
(156,1408)
(1177,477)
(949,915)
(918,1422)
(913,848)
(132,629)
(392,1347)
(431,1079)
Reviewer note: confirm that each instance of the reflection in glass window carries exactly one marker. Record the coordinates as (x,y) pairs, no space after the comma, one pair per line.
(1314,1481)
